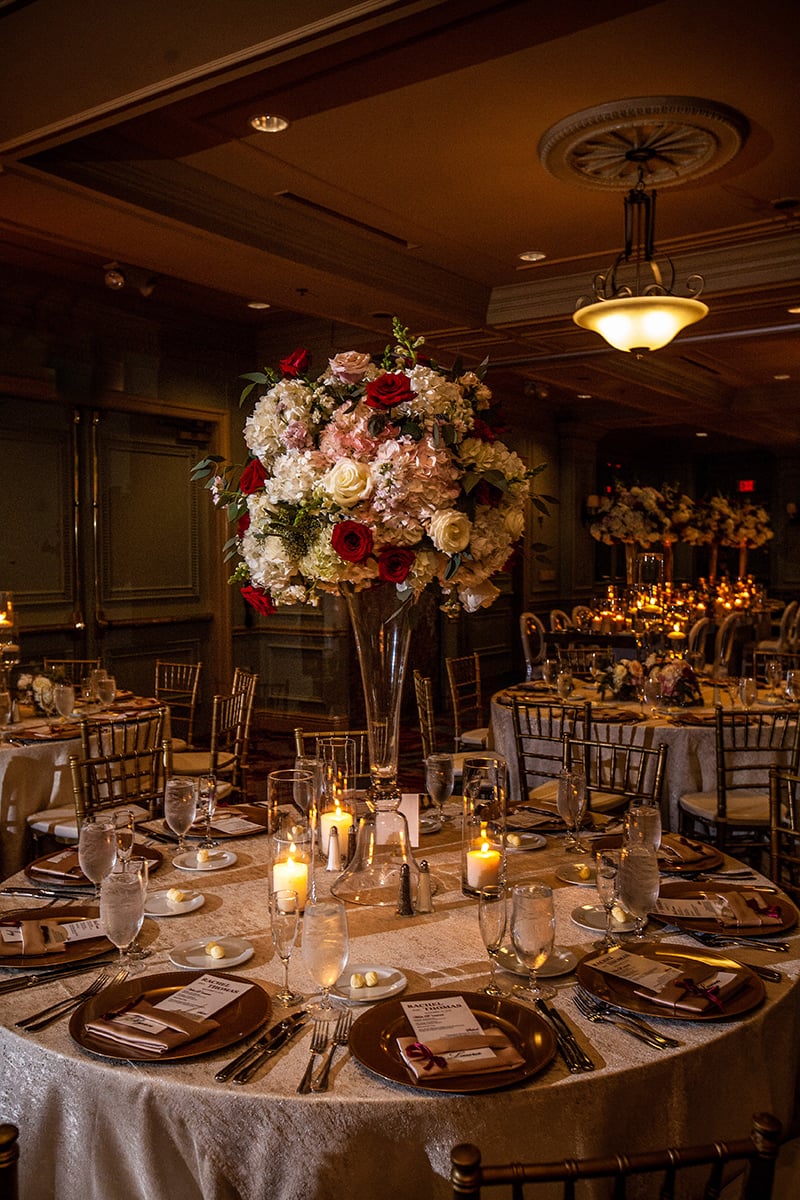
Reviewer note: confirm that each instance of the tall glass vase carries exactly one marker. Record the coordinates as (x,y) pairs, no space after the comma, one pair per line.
(630,563)
(742,560)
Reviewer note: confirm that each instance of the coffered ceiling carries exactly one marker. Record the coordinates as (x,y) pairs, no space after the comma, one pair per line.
(410,180)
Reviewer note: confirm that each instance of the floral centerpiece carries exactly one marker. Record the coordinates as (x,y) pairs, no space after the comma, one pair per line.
(372,471)
(31,689)
(678,682)
(622,679)
(631,515)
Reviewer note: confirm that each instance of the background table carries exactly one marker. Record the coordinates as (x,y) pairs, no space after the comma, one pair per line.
(98,1130)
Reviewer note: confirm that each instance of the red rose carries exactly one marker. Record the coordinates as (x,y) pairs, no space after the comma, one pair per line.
(486,493)
(352,541)
(388,390)
(243,524)
(295,364)
(258,599)
(394,563)
(483,431)
(252,478)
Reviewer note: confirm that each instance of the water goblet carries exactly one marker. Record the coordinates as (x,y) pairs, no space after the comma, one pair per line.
(773,676)
(106,689)
(732,684)
(492,919)
(643,825)
(638,883)
(284,920)
(64,696)
(550,671)
(793,685)
(571,805)
(533,927)
(122,896)
(125,833)
(747,692)
(565,685)
(97,851)
(607,883)
(439,781)
(47,698)
(180,807)
(651,690)
(326,948)
(207,806)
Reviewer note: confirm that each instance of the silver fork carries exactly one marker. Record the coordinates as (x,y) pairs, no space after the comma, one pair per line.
(340,1036)
(46,1016)
(597,1010)
(319,1040)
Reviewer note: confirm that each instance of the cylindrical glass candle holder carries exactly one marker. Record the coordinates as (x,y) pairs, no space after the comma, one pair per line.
(291,863)
(483,835)
(337,811)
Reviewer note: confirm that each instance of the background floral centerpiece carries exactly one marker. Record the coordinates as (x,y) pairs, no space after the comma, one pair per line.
(372,471)
(621,679)
(678,683)
(631,514)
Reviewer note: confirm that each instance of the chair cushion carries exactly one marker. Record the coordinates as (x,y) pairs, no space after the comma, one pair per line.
(545,791)
(198,762)
(607,801)
(61,823)
(476,737)
(744,807)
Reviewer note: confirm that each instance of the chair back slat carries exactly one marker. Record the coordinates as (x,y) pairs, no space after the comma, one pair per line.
(121,764)
(539,731)
(619,768)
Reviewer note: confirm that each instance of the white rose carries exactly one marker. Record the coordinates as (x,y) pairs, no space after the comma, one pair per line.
(483,595)
(348,482)
(515,523)
(450,530)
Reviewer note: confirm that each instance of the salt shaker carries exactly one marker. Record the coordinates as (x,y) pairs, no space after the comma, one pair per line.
(424,897)
(334,853)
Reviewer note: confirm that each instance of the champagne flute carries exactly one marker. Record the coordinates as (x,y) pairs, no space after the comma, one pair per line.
(439,782)
(772,676)
(207,805)
(607,883)
(732,684)
(180,807)
(122,896)
(284,920)
(326,948)
(64,696)
(747,692)
(643,825)
(97,851)
(492,919)
(533,927)
(571,805)
(638,883)
(125,833)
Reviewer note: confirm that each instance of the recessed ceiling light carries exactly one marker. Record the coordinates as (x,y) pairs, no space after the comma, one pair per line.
(258,304)
(531,256)
(794,309)
(584,395)
(700,433)
(269,123)
(781,378)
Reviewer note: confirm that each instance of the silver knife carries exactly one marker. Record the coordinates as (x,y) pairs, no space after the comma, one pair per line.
(65,893)
(248,1071)
(21,982)
(582,1059)
(265,1042)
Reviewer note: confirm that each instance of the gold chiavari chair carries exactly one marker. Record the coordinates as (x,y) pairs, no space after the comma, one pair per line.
(423,691)
(539,732)
(618,772)
(72,670)
(784,831)
(464,678)
(176,686)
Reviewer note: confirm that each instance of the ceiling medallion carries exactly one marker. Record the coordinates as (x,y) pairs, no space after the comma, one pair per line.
(677,138)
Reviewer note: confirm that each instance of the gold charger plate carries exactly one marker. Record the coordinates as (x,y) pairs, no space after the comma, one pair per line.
(37,873)
(373,1041)
(77,952)
(679,889)
(618,992)
(713,858)
(236,1021)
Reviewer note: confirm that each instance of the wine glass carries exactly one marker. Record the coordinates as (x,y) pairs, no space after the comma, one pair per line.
(651,690)
(106,689)
(793,685)
(97,851)
(533,928)
(607,883)
(122,896)
(180,807)
(638,883)
(565,685)
(64,696)
(571,805)
(207,806)
(47,699)
(289,796)
(773,676)
(439,781)
(125,834)
(643,825)
(6,708)
(732,684)
(748,692)
(326,948)
(284,920)
(492,918)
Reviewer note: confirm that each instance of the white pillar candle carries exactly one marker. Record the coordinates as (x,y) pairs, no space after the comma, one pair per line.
(341,819)
(291,875)
(483,867)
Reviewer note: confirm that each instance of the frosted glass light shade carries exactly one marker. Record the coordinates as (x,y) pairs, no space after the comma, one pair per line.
(639,323)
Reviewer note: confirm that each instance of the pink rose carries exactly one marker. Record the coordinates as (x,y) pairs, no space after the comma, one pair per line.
(349,367)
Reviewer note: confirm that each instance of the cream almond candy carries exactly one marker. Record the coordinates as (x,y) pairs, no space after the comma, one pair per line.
(513,839)
(584,872)
(357,980)
(214,950)
(371,979)
(620,915)
(202,855)
(175,896)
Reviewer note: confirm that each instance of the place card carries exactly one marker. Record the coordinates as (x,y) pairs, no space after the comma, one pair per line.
(436,1020)
(695,988)
(57,932)
(449,1040)
(636,969)
(234,824)
(204,996)
(692,908)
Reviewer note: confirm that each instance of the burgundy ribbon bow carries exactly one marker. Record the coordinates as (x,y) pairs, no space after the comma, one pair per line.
(690,988)
(770,910)
(417,1050)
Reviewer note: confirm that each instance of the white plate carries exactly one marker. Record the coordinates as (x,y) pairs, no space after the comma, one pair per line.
(560,962)
(593,916)
(390,982)
(192,955)
(569,874)
(217,859)
(157,904)
(527,841)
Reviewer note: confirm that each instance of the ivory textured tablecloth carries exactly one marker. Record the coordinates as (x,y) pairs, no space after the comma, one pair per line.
(99,1130)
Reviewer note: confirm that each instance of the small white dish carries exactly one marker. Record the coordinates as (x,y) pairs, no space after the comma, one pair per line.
(390,982)
(191,956)
(560,962)
(217,859)
(430,821)
(527,841)
(593,916)
(157,904)
(570,873)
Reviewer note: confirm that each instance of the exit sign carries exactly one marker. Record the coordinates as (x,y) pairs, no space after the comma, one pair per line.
(747,485)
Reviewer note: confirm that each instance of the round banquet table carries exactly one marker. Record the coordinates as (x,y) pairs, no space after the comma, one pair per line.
(107,1129)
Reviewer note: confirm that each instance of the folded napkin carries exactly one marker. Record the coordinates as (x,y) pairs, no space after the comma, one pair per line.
(37,937)
(616,716)
(744,907)
(697,991)
(140,1024)
(677,849)
(61,865)
(488,1051)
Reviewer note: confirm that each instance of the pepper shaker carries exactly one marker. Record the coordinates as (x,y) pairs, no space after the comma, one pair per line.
(404,905)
